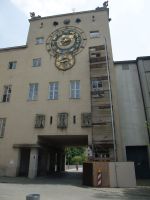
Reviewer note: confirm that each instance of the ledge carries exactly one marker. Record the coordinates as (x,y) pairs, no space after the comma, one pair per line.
(132,61)
(67,14)
(13,48)
(26,146)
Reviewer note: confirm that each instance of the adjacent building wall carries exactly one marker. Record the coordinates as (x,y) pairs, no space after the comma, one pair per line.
(131,106)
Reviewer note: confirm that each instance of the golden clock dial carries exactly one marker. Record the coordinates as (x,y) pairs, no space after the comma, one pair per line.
(66,40)
(64,61)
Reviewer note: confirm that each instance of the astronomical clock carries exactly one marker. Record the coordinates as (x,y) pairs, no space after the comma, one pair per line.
(64,43)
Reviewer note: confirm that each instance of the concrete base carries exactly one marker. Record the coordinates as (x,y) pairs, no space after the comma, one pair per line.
(122,174)
(112,174)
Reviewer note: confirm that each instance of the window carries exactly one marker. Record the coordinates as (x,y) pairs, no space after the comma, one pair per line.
(97,89)
(55,23)
(39,121)
(78,20)
(67,21)
(2,126)
(53,90)
(101,153)
(62,120)
(95,55)
(12,65)
(39,40)
(51,119)
(33,91)
(36,62)
(74,119)
(41,25)
(75,89)
(97,85)
(86,120)
(94,34)
(7,93)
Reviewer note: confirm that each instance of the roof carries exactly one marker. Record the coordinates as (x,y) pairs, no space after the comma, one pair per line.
(132,61)
(73,13)
(13,48)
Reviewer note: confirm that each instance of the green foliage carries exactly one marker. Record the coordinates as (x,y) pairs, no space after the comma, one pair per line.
(76,160)
(147,124)
(75,155)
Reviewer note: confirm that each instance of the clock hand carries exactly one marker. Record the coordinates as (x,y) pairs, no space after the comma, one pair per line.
(64,60)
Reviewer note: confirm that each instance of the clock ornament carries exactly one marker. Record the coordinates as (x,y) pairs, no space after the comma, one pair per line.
(64,43)
(64,61)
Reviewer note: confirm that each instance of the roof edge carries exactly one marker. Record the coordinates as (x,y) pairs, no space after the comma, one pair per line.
(143,58)
(73,13)
(132,61)
(124,61)
(13,48)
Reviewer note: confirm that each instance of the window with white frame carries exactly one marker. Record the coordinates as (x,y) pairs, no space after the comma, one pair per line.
(7,93)
(33,91)
(53,90)
(97,85)
(12,65)
(40,40)
(36,62)
(2,126)
(74,89)
(94,34)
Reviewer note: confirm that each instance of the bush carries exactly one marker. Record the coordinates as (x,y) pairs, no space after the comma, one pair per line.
(78,160)
(75,155)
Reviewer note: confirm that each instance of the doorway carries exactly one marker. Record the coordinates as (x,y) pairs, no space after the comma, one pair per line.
(24,162)
(139,155)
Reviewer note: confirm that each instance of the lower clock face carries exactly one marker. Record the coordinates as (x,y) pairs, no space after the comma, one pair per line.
(64,61)
(66,40)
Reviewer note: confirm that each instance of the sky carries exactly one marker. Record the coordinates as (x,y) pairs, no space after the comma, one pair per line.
(129,27)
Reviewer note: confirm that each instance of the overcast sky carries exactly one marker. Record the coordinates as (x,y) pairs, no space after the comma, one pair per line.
(130,25)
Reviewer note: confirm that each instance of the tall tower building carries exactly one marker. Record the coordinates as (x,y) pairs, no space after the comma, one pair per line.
(59,90)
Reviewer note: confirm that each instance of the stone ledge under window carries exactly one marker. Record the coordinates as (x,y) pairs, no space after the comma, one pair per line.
(26,146)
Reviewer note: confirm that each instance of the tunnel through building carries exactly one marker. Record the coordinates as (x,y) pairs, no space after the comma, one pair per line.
(51,154)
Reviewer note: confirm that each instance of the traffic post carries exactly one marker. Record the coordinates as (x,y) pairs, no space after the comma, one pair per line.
(99,178)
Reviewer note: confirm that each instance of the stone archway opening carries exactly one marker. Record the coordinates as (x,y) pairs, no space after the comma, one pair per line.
(52,154)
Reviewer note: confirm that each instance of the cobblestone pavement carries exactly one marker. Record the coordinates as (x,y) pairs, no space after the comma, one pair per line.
(68,187)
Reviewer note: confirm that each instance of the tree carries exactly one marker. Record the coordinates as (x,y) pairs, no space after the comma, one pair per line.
(75,155)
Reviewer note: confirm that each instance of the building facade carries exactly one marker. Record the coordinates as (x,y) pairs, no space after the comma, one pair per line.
(63,89)
(133,93)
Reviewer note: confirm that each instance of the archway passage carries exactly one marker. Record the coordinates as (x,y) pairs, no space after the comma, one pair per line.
(51,158)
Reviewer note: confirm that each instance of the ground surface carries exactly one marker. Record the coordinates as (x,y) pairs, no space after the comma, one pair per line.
(67,186)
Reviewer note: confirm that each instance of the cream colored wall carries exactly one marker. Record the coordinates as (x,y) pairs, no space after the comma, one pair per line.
(20,112)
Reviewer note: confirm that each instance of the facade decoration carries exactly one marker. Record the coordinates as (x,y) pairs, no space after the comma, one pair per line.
(64,44)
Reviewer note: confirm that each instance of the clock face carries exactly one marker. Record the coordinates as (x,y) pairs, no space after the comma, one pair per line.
(64,61)
(66,40)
